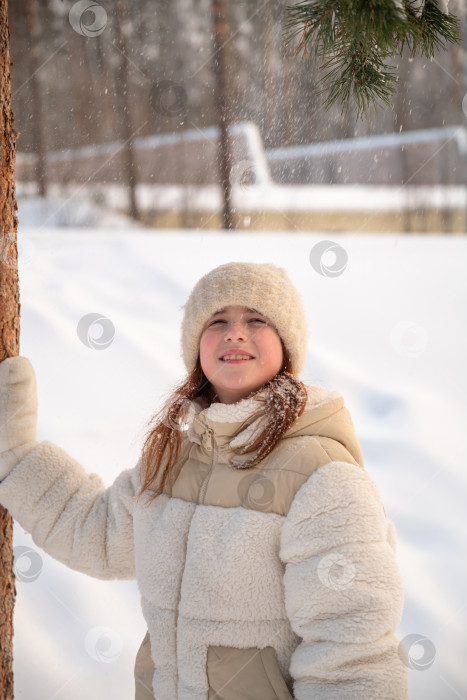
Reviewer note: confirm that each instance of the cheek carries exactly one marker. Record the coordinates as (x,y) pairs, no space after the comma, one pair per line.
(206,349)
(278,354)
(272,349)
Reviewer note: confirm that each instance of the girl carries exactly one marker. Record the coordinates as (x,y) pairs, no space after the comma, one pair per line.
(263,555)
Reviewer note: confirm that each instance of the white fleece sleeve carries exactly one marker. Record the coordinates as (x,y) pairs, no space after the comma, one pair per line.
(71,515)
(343,590)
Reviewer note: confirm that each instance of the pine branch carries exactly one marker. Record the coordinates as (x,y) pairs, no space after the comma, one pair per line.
(431,31)
(360,74)
(355,39)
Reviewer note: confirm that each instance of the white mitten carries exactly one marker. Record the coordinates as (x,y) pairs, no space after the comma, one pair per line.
(18,412)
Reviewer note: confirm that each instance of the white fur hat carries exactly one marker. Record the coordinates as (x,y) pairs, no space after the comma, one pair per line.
(263,287)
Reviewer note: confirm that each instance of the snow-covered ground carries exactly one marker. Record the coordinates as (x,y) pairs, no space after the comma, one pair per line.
(83,205)
(66,207)
(386,328)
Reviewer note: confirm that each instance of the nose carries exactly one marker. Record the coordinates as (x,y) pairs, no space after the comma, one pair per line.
(236,331)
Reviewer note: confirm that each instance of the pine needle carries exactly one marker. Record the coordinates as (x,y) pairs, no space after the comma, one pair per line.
(355,39)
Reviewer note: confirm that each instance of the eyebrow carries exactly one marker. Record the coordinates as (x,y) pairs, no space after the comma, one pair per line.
(252,311)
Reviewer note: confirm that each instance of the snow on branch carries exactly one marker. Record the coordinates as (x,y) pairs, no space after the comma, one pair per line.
(354,40)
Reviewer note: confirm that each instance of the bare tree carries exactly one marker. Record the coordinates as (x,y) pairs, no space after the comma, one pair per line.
(220,60)
(9,334)
(124,26)
(33,28)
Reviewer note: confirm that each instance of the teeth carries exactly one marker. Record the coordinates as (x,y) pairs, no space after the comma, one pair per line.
(237,357)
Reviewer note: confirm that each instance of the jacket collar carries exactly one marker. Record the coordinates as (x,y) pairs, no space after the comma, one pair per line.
(225,422)
(234,424)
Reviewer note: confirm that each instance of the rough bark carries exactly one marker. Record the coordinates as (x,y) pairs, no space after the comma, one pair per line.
(9,334)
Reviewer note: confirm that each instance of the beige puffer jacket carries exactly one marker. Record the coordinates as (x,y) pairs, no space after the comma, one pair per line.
(269,583)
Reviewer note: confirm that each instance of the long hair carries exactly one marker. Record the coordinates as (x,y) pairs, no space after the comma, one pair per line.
(284,401)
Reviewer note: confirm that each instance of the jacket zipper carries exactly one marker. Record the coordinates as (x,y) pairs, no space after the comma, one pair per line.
(204,485)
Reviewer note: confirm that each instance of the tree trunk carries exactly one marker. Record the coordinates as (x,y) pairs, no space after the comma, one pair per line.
(122,22)
(463,60)
(400,124)
(34,35)
(9,334)
(221,65)
(270,70)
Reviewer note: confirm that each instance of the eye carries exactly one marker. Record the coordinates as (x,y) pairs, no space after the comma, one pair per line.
(217,320)
(257,320)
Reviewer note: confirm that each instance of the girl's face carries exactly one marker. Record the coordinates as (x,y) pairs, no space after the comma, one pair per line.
(238,332)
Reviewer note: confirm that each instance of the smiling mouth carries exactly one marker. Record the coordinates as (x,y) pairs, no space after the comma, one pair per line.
(236,358)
